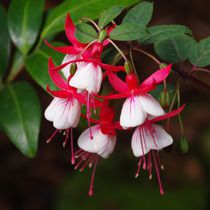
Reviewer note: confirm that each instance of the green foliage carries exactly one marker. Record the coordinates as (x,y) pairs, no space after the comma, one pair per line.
(21,116)
(4,41)
(200,54)
(85,33)
(161,32)
(109,15)
(37,64)
(24,19)
(140,14)
(77,9)
(175,49)
(128,32)
(17,64)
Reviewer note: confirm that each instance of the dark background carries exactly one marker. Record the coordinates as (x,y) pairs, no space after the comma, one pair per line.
(48,181)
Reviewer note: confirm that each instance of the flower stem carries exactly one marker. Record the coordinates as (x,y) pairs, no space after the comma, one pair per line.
(148,55)
(118,49)
(91,21)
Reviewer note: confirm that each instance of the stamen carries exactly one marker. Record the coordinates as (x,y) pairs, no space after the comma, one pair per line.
(142,147)
(150,166)
(88,114)
(52,136)
(90,193)
(158,174)
(159,162)
(66,138)
(139,167)
(72,148)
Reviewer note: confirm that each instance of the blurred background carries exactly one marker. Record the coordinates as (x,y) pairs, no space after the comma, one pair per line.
(49,182)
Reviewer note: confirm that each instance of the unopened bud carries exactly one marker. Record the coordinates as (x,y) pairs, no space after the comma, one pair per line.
(164,99)
(128,67)
(184,144)
(73,68)
(102,35)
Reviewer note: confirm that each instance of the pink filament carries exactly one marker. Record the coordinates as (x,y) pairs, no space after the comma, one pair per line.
(90,193)
(52,136)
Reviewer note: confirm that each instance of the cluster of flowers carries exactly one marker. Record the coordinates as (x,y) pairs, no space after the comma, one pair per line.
(79,79)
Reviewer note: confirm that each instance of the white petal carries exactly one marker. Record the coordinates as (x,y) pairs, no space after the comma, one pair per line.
(89,77)
(140,142)
(151,105)
(109,147)
(101,144)
(74,113)
(50,112)
(132,113)
(66,69)
(162,138)
(66,114)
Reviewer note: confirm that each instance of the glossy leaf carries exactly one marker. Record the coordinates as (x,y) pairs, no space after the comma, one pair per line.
(4,42)
(161,32)
(109,15)
(25,19)
(77,9)
(175,49)
(85,33)
(37,64)
(200,54)
(21,116)
(140,14)
(17,64)
(128,32)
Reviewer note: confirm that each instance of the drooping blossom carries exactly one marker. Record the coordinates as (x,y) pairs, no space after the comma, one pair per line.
(87,57)
(102,143)
(138,103)
(148,139)
(65,109)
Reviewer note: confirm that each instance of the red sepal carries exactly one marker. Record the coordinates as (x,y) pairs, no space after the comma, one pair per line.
(158,76)
(167,115)
(56,77)
(117,83)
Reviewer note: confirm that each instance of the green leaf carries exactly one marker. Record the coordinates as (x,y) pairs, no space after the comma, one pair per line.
(77,9)
(85,33)
(200,55)
(21,116)
(175,49)
(37,64)
(17,65)
(24,19)
(4,41)
(161,32)
(140,14)
(128,32)
(109,15)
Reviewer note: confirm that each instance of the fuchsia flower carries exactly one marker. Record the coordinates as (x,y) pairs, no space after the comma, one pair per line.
(149,138)
(87,57)
(80,87)
(101,144)
(138,103)
(65,109)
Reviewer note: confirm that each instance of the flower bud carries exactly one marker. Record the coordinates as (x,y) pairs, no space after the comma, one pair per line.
(73,68)
(128,67)
(164,99)
(184,144)
(102,35)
